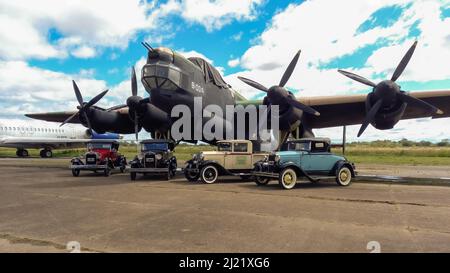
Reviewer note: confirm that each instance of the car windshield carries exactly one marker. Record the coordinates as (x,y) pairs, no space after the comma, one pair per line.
(154,147)
(224,147)
(298,146)
(92,146)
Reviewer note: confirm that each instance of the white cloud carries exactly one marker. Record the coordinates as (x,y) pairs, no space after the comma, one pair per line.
(324,34)
(334,35)
(214,14)
(84,52)
(30,89)
(26,25)
(234,62)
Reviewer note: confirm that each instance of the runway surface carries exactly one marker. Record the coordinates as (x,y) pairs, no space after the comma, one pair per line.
(42,209)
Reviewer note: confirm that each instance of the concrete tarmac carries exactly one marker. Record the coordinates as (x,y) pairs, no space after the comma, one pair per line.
(42,209)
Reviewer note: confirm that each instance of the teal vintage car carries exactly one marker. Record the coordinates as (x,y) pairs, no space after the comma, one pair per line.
(310,158)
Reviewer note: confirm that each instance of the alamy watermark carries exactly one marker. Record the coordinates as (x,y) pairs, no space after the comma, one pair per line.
(210,122)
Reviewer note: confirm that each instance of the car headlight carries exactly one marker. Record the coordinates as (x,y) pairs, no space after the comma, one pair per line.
(158,156)
(266,158)
(277,158)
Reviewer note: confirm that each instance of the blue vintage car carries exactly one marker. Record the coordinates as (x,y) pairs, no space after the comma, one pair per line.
(310,158)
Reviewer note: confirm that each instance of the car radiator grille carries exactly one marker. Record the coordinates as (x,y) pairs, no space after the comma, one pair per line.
(91,159)
(150,161)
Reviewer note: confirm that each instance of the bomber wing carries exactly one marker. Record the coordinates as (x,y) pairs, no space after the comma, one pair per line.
(350,109)
(62,116)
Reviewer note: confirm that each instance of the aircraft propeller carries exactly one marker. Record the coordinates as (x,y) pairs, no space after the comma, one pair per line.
(84,106)
(386,93)
(277,94)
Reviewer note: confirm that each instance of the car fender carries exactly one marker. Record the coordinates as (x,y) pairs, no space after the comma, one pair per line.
(298,170)
(339,164)
(219,167)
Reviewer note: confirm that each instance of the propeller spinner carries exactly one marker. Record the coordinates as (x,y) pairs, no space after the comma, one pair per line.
(83,108)
(386,93)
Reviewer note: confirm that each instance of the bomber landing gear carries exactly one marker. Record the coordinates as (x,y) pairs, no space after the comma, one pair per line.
(22,153)
(46,153)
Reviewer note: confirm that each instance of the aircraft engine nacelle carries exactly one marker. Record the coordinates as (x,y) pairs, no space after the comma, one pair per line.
(387,116)
(95,135)
(154,118)
(290,118)
(104,121)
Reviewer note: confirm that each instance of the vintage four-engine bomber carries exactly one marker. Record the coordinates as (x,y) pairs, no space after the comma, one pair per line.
(233,157)
(156,158)
(308,157)
(102,155)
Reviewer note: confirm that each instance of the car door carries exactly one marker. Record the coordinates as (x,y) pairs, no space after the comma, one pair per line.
(319,160)
(239,158)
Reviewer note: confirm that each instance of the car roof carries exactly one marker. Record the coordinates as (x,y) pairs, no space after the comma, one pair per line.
(314,139)
(156,141)
(234,141)
(112,141)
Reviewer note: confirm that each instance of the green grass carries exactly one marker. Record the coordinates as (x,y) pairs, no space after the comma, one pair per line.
(357,153)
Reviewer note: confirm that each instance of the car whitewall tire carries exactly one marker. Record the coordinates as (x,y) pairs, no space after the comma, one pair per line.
(344,176)
(288,178)
(209,174)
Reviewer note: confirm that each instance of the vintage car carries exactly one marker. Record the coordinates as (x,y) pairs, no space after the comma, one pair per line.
(156,158)
(233,157)
(310,158)
(102,155)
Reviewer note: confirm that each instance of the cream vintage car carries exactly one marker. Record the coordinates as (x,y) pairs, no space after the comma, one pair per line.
(233,157)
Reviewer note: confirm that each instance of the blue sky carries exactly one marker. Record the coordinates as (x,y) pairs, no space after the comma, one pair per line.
(46,44)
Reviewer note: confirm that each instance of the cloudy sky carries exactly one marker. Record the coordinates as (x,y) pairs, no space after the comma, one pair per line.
(45,44)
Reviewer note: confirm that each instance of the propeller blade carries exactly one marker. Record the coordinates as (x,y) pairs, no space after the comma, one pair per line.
(282,139)
(69,119)
(303,107)
(357,78)
(136,126)
(77,93)
(117,107)
(254,84)
(370,116)
(287,74)
(419,103)
(133,82)
(87,121)
(404,62)
(95,99)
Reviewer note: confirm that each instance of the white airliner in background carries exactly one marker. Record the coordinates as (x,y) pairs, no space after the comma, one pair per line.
(30,134)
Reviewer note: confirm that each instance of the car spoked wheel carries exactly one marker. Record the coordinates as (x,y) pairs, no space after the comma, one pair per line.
(288,178)
(261,181)
(209,174)
(75,172)
(132,176)
(344,176)
(191,176)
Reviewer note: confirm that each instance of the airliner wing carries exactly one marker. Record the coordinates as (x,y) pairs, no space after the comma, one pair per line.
(32,142)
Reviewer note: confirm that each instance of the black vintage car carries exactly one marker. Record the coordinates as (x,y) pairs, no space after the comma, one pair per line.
(156,158)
